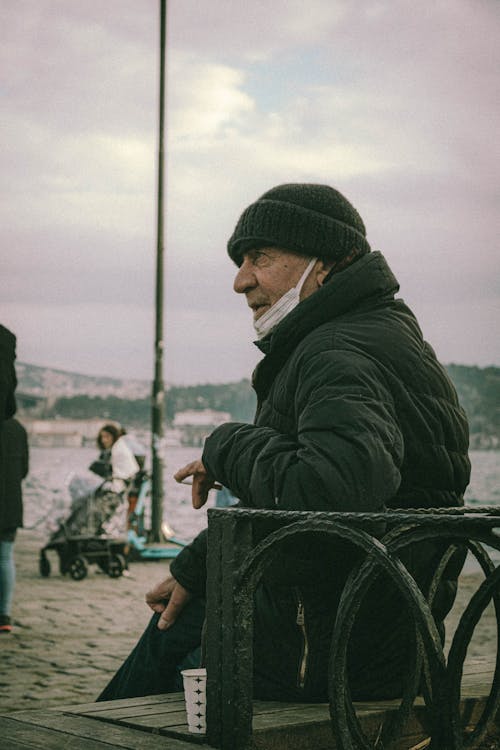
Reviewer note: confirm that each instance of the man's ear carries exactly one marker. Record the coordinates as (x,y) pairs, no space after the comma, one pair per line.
(323,269)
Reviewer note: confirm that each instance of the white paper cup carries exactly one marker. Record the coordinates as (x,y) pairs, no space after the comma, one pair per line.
(195,684)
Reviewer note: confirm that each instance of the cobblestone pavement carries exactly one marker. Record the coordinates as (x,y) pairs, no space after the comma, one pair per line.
(69,637)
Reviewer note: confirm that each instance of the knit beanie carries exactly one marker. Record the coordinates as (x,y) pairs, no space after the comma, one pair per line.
(312,220)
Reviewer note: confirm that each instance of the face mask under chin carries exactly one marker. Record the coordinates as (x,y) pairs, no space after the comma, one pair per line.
(286,303)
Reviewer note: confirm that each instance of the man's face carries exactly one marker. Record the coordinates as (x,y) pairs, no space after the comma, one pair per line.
(267,274)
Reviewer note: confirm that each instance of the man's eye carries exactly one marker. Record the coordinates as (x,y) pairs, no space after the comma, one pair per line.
(260,257)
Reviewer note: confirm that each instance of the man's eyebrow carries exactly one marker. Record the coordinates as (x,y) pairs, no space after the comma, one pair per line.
(267,251)
(252,254)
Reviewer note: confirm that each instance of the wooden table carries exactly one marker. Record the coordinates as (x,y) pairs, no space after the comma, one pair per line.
(159,721)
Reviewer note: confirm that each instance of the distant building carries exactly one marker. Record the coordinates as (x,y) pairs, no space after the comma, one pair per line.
(57,433)
(196,424)
(200,418)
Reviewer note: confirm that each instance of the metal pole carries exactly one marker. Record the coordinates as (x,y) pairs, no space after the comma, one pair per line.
(158,398)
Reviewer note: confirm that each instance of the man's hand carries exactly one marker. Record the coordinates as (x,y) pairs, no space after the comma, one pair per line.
(159,595)
(202,482)
(169,598)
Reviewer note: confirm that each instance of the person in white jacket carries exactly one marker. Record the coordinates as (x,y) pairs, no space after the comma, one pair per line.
(120,466)
(122,461)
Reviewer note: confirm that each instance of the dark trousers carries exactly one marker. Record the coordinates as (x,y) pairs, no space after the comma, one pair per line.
(154,665)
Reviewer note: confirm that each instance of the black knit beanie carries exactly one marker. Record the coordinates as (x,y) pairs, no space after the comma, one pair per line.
(312,220)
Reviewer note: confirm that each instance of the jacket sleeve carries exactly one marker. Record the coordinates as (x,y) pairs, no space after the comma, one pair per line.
(346,451)
(26,454)
(189,568)
(123,461)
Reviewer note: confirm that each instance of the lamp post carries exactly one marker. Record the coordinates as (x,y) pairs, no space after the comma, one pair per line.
(158,395)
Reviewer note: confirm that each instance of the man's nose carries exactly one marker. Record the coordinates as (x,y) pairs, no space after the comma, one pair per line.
(245,278)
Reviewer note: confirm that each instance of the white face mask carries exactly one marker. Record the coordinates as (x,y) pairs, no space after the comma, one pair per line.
(270,319)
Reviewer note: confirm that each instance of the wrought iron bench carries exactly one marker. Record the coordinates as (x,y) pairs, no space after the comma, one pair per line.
(239,552)
(442,719)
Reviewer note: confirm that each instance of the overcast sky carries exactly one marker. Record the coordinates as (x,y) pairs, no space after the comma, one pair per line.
(395,103)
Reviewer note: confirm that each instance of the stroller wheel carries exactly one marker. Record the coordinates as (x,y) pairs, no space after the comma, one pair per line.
(77,568)
(116,566)
(44,565)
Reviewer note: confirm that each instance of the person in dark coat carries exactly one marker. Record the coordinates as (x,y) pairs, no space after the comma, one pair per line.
(14,468)
(354,413)
(8,380)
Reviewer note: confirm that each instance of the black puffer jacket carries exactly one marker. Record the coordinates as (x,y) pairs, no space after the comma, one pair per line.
(354,414)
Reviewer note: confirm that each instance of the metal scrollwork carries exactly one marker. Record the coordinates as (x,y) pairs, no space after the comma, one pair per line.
(383,552)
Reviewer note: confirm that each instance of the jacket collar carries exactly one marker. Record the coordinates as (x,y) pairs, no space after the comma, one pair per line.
(362,284)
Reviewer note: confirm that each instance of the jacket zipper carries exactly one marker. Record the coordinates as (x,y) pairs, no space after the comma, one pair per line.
(300,620)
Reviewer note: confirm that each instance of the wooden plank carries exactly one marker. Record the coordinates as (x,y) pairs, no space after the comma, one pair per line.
(76,732)
(171,713)
(12,744)
(136,723)
(265,707)
(179,731)
(154,721)
(302,735)
(16,734)
(71,738)
(166,716)
(83,708)
(299,716)
(307,727)
(299,738)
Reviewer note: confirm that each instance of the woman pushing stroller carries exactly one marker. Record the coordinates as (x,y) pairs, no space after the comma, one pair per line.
(119,467)
(96,527)
(103,510)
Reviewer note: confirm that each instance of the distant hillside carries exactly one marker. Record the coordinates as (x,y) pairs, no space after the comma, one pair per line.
(479,393)
(64,394)
(48,382)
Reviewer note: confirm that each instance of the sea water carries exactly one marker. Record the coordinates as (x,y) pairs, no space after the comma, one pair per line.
(47,496)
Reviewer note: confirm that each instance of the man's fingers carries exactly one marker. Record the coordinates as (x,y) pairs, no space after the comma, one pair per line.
(199,493)
(169,615)
(181,474)
(198,501)
(215,485)
(178,600)
(195,467)
(201,481)
(156,598)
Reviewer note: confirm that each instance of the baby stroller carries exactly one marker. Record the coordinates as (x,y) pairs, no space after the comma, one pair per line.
(90,535)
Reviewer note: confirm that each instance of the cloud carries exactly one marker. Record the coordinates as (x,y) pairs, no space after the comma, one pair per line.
(55,335)
(393,103)
(196,344)
(208,100)
(258,32)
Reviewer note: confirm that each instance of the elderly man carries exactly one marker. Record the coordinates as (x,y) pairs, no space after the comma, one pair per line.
(354,414)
